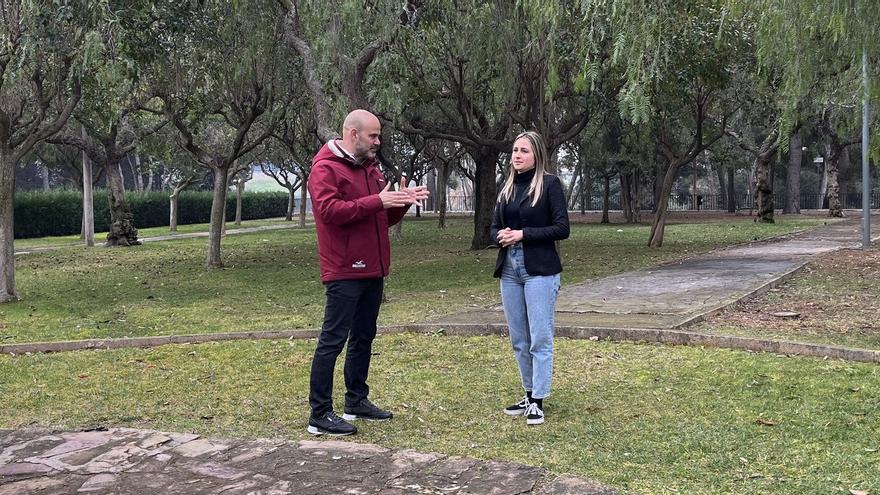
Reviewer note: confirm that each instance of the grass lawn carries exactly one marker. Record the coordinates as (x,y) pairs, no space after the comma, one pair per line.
(644,418)
(101,237)
(837,297)
(272,282)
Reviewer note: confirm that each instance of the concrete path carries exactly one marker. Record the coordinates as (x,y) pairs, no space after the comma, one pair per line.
(673,295)
(149,462)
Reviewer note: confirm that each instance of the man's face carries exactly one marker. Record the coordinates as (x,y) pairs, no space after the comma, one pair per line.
(366,143)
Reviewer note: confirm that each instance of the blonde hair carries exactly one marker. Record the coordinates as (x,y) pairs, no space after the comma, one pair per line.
(541,163)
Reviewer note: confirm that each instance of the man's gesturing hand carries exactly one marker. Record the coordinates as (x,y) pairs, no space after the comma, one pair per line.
(417,194)
(394,199)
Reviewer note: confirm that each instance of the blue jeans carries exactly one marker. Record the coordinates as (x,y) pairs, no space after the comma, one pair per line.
(529,306)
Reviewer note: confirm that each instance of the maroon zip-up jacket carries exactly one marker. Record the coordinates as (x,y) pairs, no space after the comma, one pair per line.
(351,222)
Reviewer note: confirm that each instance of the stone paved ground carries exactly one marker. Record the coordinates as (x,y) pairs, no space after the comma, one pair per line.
(130,461)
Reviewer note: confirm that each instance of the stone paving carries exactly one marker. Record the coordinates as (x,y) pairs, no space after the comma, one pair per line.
(130,461)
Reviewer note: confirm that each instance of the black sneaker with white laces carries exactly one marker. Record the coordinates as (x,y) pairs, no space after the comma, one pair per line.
(519,408)
(534,414)
(366,410)
(330,424)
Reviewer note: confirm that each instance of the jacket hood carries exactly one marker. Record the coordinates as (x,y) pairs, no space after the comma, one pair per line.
(333,151)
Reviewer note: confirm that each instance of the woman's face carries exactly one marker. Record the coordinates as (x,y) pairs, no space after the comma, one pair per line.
(522,156)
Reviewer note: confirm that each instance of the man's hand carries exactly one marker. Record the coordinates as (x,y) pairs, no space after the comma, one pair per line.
(507,237)
(417,194)
(394,199)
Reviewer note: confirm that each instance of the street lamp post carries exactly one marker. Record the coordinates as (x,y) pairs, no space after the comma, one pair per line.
(866,170)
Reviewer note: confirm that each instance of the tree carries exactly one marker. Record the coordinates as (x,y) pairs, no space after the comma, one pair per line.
(44,51)
(675,59)
(479,90)
(221,89)
(290,166)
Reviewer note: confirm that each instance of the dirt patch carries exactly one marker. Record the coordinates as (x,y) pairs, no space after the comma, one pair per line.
(835,296)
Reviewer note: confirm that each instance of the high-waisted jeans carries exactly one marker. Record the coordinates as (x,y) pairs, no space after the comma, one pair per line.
(529,306)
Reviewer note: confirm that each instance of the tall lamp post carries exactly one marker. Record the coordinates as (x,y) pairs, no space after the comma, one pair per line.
(866,170)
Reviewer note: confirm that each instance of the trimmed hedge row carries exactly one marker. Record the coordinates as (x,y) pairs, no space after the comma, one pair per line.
(40,214)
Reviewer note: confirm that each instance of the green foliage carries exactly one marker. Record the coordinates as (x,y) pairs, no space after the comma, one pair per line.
(815,49)
(56,213)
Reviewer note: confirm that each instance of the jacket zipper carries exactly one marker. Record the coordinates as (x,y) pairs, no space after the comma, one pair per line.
(376,224)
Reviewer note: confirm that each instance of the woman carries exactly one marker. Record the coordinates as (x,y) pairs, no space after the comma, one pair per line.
(530,216)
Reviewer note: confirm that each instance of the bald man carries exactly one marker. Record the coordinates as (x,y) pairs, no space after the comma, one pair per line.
(353,208)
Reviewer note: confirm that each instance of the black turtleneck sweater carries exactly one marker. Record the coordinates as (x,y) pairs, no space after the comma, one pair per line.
(521,183)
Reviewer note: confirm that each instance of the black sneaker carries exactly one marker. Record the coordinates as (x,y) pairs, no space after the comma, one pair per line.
(366,410)
(330,424)
(534,415)
(519,408)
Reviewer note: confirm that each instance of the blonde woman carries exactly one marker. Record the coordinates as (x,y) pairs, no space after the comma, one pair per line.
(530,216)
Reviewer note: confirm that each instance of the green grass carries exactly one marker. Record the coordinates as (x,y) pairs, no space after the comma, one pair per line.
(644,418)
(101,237)
(272,281)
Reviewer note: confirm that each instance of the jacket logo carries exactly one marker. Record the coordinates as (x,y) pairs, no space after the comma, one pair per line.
(359,264)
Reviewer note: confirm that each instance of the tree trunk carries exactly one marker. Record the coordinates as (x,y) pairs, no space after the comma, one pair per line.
(7,230)
(44,172)
(484,195)
(172,216)
(658,188)
(122,230)
(722,187)
(731,190)
(586,191)
(833,187)
(658,226)
(430,204)
(88,220)
(291,204)
(571,194)
(624,197)
(823,186)
(398,230)
(239,189)
(793,182)
(121,175)
(303,193)
(136,173)
(218,216)
(636,203)
(763,188)
(442,198)
(149,186)
(606,198)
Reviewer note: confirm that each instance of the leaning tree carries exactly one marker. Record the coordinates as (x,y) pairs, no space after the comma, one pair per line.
(46,47)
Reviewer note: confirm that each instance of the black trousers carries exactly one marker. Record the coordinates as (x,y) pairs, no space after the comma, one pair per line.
(350,314)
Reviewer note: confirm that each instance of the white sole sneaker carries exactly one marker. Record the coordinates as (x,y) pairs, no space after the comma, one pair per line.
(514,413)
(538,421)
(314,430)
(353,417)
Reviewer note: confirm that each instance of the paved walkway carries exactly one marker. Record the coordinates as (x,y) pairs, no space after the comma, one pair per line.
(673,295)
(129,461)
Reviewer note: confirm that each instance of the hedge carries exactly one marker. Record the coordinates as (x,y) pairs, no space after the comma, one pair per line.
(53,213)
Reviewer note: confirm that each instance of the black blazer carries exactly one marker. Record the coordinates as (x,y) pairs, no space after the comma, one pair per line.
(542,226)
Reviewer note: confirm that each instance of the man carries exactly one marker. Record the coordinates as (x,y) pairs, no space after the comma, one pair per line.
(353,208)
